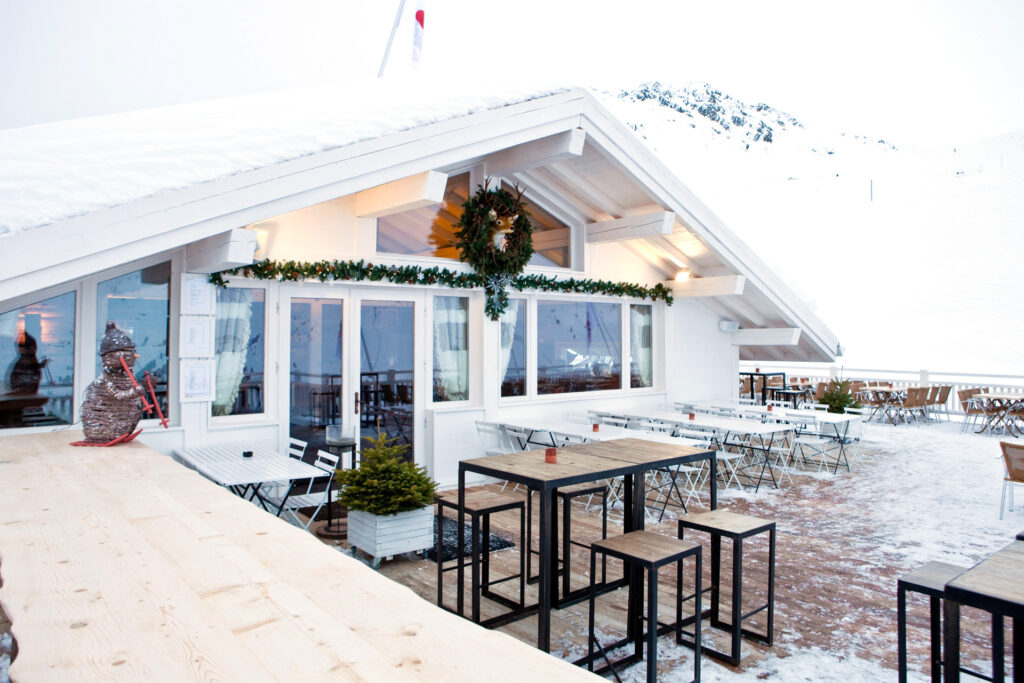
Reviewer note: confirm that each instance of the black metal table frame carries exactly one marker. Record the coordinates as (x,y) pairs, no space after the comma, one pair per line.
(764,383)
(633,519)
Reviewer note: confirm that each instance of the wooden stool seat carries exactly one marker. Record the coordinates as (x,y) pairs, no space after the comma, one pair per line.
(645,547)
(931,578)
(477,502)
(731,524)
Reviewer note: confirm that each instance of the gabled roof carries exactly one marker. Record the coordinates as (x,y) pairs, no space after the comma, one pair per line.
(103,191)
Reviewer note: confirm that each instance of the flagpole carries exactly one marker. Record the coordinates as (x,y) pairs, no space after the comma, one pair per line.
(391,38)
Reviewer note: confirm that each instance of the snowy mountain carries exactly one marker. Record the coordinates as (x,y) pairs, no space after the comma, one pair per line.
(910,254)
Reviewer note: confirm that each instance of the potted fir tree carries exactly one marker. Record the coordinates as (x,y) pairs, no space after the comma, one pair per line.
(389,501)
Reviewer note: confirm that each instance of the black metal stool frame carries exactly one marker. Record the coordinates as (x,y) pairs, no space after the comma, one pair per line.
(482,587)
(735,625)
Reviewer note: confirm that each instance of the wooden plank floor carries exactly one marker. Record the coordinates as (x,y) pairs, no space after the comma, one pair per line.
(121,564)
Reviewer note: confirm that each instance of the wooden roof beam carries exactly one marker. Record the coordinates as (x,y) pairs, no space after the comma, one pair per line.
(722,285)
(586,190)
(676,254)
(766,336)
(554,148)
(413,192)
(631,227)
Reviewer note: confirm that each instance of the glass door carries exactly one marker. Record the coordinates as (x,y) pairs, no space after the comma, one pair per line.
(389,344)
(316,383)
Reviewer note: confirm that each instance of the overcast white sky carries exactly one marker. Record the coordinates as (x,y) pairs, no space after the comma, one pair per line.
(912,71)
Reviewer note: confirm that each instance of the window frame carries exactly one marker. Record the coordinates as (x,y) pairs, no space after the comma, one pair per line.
(474,332)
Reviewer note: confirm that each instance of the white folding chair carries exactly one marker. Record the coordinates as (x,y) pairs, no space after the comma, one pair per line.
(311,493)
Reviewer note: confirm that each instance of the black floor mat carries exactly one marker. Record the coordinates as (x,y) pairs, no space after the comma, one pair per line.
(449,540)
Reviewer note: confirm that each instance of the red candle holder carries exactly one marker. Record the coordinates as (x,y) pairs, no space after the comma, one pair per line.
(692,416)
(596,426)
(769,408)
(551,455)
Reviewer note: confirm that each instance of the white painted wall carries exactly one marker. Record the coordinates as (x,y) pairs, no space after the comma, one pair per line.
(702,361)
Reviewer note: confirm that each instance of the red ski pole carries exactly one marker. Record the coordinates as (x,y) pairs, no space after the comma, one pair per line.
(145,403)
(156,403)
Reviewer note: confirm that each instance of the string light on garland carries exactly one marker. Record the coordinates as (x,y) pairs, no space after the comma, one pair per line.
(361,271)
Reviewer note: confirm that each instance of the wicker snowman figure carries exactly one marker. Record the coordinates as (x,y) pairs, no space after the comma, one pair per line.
(112,405)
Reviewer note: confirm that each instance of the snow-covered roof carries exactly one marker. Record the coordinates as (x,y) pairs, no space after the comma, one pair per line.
(55,171)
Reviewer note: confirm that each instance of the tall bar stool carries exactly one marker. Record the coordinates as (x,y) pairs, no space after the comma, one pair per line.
(929,579)
(645,550)
(479,506)
(719,523)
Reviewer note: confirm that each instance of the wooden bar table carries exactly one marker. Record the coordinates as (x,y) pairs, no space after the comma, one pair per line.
(996,585)
(627,458)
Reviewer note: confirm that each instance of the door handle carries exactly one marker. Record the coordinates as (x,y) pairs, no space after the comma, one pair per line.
(356,402)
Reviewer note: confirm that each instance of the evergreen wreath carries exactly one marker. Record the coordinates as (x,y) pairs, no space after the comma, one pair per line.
(487,213)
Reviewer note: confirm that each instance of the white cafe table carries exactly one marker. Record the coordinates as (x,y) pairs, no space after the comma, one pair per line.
(605,432)
(225,465)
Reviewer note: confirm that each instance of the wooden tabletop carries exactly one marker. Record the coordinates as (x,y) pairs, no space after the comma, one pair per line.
(996,583)
(122,564)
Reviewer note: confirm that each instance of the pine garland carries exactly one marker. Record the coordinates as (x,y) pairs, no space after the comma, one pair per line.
(360,271)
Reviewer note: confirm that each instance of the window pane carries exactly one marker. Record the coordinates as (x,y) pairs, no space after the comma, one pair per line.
(551,237)
(451,348)
(513,349)
(37,354)
(579,347)
(139,303)
(641,355)
(429,231)
(238,348)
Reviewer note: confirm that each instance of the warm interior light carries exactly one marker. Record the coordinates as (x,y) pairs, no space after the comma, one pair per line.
(682,276)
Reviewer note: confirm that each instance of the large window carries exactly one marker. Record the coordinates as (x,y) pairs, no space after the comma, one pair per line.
(139,303)
(37,357)
(513,349)
(579,346)
(641,352)
(451,348)
(239,349)
(428,231)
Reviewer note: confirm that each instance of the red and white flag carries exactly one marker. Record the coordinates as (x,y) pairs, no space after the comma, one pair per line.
(417,35)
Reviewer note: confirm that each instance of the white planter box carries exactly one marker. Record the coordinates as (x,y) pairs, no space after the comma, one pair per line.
(386,535)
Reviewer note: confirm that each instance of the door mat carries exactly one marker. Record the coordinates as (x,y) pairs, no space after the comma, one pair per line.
(450,540)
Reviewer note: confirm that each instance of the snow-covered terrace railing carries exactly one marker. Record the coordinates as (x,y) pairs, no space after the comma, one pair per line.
(819,372)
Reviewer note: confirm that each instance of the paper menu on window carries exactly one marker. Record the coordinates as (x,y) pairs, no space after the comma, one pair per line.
(197,380)
(197,295)
(196,338)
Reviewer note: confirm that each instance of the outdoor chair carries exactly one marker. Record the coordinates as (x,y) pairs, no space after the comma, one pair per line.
(941,406)
(972,409)
(1013,464)
(304,493)
(297,448)
(819,392)
(809,444)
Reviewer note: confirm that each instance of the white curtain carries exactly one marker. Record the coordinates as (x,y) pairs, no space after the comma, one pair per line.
(507,321)
(640,352)
(451,352)
(234,319)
